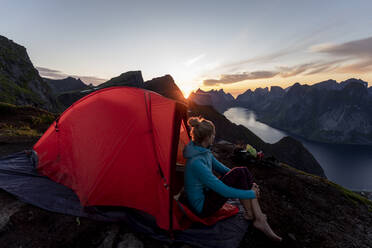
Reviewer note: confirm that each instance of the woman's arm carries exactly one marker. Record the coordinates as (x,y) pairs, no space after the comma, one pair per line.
(206,176)
(219,167)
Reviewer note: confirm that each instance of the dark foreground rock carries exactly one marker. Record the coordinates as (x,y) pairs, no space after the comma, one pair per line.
(308,210)
(313,210)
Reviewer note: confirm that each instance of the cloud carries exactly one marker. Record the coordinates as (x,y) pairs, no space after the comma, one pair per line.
(297,45)
(356,48)
(349,57)
(361,66)
(281,71)
(234,78)
(295,70)
(90,80)
(56,74)
(358,53)
(51,73)
(194,60)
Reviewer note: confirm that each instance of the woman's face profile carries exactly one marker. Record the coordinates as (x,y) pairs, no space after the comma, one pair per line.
(211,139)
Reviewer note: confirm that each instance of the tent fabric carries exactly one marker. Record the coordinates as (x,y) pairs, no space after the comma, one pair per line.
(226,211)
(113,148)
(18,176)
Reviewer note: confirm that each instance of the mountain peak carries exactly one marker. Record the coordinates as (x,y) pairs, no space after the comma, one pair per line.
(354,80)
(165,86)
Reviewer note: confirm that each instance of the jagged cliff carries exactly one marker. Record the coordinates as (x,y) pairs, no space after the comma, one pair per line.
(20,82)
(327,112)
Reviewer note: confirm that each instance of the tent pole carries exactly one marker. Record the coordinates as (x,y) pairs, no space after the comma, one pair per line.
(177,118)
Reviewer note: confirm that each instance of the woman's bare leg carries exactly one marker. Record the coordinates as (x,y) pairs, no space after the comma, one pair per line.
(260,220)
(248,213)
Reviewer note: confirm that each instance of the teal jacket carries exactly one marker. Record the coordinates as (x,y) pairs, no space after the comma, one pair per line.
(199,177)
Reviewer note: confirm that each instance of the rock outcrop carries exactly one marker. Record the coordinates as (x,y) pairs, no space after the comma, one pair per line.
(165,86)
(130,78)
(20,82)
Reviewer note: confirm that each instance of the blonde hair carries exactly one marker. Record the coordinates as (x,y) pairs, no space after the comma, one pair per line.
(200,129)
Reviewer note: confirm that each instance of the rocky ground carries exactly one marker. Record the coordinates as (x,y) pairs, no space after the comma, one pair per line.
(308,210)
(366,194)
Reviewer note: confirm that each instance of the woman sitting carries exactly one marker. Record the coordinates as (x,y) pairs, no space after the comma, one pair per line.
(205,193)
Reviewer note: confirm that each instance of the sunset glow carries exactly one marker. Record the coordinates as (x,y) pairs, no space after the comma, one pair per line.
(186,90)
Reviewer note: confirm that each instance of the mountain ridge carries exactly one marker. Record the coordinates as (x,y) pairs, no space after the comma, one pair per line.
(327,111)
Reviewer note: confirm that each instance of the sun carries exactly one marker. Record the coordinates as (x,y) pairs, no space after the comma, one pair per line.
(186,89)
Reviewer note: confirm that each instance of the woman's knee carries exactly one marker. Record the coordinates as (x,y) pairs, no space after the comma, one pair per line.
(239,177)
(242,172)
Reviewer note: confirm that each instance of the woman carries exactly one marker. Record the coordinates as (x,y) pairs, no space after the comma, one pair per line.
(206,193)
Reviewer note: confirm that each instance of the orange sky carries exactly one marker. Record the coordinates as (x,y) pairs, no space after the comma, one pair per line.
(240,87)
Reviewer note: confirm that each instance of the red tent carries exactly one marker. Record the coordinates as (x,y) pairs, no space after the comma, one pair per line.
(118,147)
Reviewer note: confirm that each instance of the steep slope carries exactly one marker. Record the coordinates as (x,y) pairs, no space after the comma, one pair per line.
(309,209)
(20,82)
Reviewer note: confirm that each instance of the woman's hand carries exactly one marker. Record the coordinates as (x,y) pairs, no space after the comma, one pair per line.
(256,189)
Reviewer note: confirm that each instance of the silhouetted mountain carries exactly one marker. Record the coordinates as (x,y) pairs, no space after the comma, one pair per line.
(327,85)
(66,84)
(20,82)
(216,98)
(165,86)
(130,78)
(327,112)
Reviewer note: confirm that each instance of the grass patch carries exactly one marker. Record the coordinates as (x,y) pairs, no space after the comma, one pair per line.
(11,131)
(355,198)
(301,172)
(10,92)
(44,119)
(352,196)
(7,108)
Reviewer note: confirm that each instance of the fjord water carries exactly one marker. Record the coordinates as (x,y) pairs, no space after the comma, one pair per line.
(347,165)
